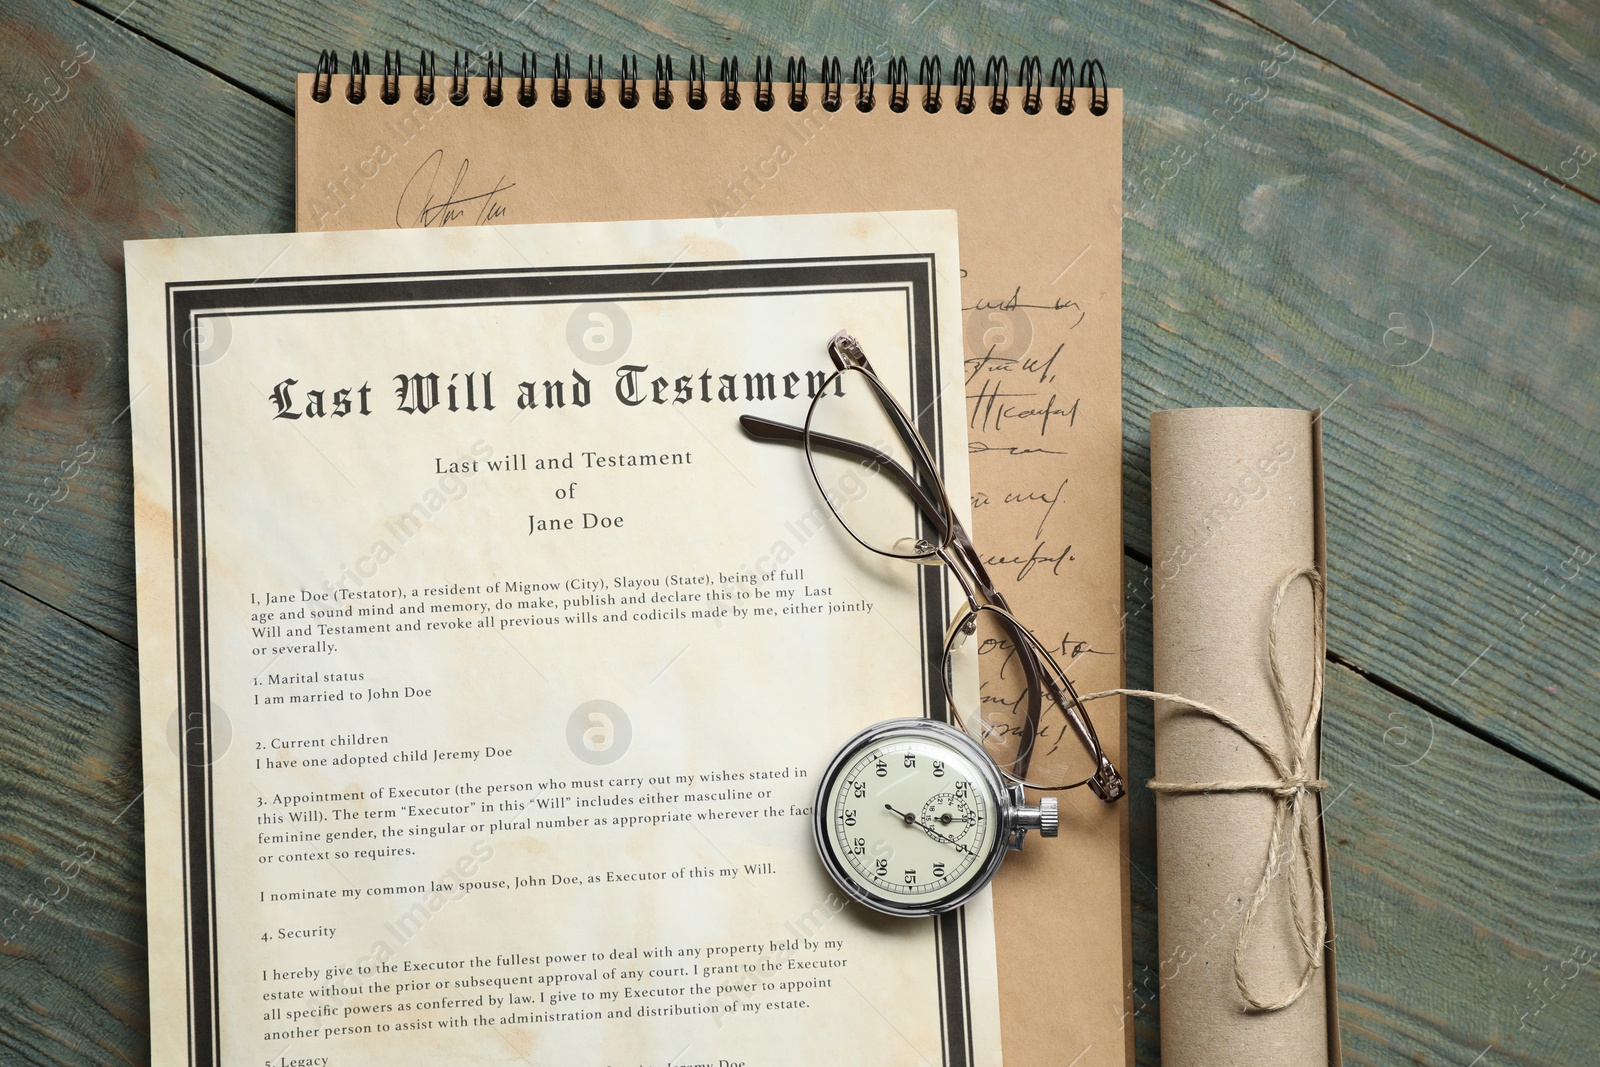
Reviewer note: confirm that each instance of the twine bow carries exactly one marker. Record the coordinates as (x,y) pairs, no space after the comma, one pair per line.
(1290,790)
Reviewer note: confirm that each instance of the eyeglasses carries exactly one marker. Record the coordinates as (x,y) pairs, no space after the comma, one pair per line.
(889,496)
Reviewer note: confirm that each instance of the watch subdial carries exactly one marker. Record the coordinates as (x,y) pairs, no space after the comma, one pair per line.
(950,816)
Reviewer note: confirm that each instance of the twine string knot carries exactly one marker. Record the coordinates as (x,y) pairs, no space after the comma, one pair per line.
(1290,847)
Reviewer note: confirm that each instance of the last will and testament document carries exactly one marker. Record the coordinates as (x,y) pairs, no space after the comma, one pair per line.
(485,663)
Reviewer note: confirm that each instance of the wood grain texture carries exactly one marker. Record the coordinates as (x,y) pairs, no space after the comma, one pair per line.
(1265,271)
(72,959)
(1307,263)
(139,144)
(1523,76)
(1300,250)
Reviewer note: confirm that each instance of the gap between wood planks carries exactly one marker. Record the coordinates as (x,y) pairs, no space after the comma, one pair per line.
(1438,711)
(85,623)
(116,20)
(1418,108)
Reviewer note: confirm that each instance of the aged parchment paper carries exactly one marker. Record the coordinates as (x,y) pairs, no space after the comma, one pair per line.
(484,660)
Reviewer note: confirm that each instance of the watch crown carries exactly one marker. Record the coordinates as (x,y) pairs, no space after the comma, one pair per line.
(1046,818)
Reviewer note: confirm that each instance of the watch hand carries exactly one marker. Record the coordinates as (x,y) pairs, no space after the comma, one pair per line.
(911,820)
(952,842)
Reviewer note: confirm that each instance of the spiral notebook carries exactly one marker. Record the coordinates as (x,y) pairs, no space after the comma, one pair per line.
(1030,158)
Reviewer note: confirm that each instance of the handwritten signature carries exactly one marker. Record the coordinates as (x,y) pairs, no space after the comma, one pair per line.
(980,499)
(455,206)
(1015,301)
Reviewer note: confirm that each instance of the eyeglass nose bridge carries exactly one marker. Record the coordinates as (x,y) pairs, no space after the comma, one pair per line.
(925,553)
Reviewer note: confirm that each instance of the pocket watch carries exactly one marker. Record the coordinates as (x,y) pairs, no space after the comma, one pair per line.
(913,818)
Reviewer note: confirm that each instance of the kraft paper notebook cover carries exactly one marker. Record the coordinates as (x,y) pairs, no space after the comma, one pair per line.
(1034,174)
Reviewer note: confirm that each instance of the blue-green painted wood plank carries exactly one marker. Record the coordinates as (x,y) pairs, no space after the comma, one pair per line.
(72,957)
(131,142)
(1522,75)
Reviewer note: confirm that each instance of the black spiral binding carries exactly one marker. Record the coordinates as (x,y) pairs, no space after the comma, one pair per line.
(899,85)
(360,67)
(1030,78)
(390,93)
(797,83)
(931,75)
(527,88)
(832,84)
(764,96)
(966,85)
(458,79)
(561,83)
(322,81)
(494,80)
(425,65)
(628,94)
(697,82)
(663,89)
(1099,100)
(1061,79)
(1065,79)
(997,79)
(866,78)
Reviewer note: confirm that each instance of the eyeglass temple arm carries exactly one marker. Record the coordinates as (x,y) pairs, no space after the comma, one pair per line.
(1107,783)
(780,432)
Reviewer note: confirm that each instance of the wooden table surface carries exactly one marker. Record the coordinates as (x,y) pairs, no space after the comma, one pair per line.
(1391,212)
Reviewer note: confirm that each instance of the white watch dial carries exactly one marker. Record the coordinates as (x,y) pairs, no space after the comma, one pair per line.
(911,819)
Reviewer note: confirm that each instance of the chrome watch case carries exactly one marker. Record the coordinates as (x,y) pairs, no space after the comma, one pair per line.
(1015,817)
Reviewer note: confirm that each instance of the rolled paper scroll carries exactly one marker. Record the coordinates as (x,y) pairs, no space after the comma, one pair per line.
(1235,496)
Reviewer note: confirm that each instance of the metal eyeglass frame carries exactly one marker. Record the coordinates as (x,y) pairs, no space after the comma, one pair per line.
(954,550)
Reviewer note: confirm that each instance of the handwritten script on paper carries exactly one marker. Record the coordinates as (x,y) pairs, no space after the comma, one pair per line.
(431,198)
(1021,406)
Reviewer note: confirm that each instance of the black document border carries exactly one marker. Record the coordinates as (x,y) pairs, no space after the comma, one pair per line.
(189,302)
